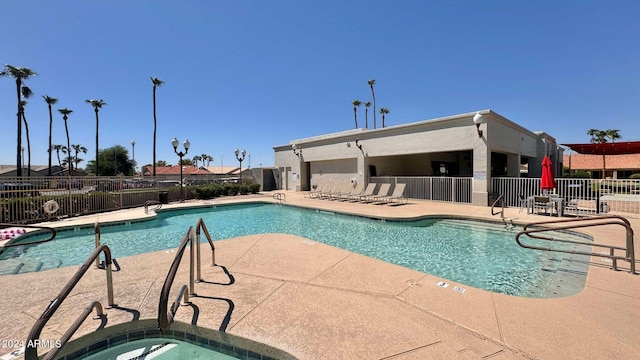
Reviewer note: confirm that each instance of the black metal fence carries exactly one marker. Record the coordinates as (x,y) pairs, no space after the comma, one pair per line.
(36,199)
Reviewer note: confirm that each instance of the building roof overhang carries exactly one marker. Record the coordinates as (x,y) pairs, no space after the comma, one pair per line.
(612,148)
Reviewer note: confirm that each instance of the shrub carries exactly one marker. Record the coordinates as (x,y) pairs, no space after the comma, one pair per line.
(635,176)
(580,174)
(205,192)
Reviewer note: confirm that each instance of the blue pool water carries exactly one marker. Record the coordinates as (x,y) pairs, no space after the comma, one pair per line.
(478,254)
(161,349)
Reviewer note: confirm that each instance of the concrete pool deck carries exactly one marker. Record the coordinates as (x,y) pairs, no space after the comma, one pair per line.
(320,302)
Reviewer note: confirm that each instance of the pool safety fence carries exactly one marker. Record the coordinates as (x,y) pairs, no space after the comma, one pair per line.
(580,196)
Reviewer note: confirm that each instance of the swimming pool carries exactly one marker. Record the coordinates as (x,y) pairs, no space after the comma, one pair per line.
(478,254)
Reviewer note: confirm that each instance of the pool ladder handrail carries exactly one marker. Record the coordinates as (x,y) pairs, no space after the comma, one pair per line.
(165,315)
(96,230)
(583,223)
(280,197)
(31,350)
(202,227)
(165,318)
(151,202)
(501,212)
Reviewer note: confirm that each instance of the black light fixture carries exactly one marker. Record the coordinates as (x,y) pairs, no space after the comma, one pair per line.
(186,145)
(358,145)
(478,119)
(133,151)
(296,149)
(240,156)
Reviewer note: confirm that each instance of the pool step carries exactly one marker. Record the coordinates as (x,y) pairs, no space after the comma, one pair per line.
(10,266)
(50,263)
(29,265)
(26,265)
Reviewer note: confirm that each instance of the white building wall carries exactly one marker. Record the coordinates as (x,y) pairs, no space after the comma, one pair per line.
(408,150)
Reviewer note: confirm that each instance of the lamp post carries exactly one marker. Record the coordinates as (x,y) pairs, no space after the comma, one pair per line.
(186,145)
(240,156)
(133,152)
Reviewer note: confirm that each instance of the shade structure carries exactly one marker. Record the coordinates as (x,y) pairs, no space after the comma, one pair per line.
(612,148)
(547,182)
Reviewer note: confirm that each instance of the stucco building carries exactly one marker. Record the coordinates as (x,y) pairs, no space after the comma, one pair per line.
(475,146)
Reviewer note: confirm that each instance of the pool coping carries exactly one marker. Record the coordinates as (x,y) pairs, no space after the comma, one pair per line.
(599,322)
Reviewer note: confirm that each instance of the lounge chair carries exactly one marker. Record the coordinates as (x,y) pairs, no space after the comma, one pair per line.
(341,190)
(368,191)
(330,191)
(313,193)
(382,192)
(396,196)
(355,191)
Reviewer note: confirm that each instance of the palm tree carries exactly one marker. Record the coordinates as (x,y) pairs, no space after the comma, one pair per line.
(203,158)
(366,114)
(373,94)
(23,103)
(65,112)
(50,101)
(384,111)
(97,105)
(156,82)
(196,159)
(209,159)
(600,137)
(20,74)
(57,148)
(612,134)
(77,149)
(65,151)
(356,103)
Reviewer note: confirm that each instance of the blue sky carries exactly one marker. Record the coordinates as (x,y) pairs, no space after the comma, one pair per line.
(256,74)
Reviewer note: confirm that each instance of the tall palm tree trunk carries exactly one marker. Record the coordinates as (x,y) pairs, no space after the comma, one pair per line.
(59,161)
(355,116)
(373,95)
(69,163)
(19,148)
(154,130)
(50,134)
(97,159)
(26,130)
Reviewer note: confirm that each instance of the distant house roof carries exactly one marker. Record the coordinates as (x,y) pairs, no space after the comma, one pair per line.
(175,170)
(223,170)
(609,148)
(36,170)
(191,170)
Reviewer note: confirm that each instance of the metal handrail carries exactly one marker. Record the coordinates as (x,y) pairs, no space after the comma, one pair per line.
(582,223)
(96,230)
(31,350)
(165,318)
(74,327)
(8,245)
(201,225)
(280,197)
(501,212)
(151,202)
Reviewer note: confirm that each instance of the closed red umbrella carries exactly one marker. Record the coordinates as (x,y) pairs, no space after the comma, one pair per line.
(547,182)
